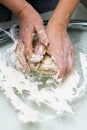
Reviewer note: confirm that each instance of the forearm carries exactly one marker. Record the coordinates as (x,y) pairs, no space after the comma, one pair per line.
(63,12)
(16,6)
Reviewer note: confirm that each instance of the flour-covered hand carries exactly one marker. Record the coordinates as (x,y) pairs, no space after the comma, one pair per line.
(61,48)
(31,23)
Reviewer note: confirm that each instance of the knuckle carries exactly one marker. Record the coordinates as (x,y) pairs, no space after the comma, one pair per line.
(40,22)
(39,25)
(26,29)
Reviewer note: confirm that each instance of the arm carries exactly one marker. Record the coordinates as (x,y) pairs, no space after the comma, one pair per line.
(24,10)
(61,47)
(16,6)
(30,23)
(63,12)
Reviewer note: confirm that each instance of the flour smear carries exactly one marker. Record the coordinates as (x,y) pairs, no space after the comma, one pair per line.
(38,97)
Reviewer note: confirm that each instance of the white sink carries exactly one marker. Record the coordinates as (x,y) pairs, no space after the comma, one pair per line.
(78,121)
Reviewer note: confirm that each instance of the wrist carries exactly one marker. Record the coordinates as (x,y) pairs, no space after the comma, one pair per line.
(26,11)
(22,13)
(60,26)
(14,5)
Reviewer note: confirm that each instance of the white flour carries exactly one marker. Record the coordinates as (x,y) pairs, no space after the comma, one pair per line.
(38,97)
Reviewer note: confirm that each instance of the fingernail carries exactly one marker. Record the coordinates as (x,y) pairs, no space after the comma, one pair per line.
(53,58)
(45,40)
(56,77)
(46,43)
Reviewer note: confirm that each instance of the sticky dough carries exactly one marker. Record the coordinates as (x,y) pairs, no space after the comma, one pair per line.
(44,64)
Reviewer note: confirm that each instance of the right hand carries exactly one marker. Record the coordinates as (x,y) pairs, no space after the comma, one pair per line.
(30,23)
(60,48)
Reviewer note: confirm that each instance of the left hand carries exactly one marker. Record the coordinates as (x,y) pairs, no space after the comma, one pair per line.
(60,48)
(30,23)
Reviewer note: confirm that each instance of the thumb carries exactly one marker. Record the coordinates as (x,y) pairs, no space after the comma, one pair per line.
(42,34)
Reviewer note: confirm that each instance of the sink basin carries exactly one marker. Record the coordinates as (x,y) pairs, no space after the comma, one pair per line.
(77,121)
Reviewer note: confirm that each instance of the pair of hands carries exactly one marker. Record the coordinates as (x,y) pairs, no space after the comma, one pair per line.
(60,46)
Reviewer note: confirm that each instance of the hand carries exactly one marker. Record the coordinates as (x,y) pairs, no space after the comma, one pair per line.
(60,48)
(30,23)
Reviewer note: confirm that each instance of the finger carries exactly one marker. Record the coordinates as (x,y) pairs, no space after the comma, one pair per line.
(38,52)
(26,36)
(61,67)
(23,63)
(70,63)
(70,59)
(42,34)
(20,52)
(40,49)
